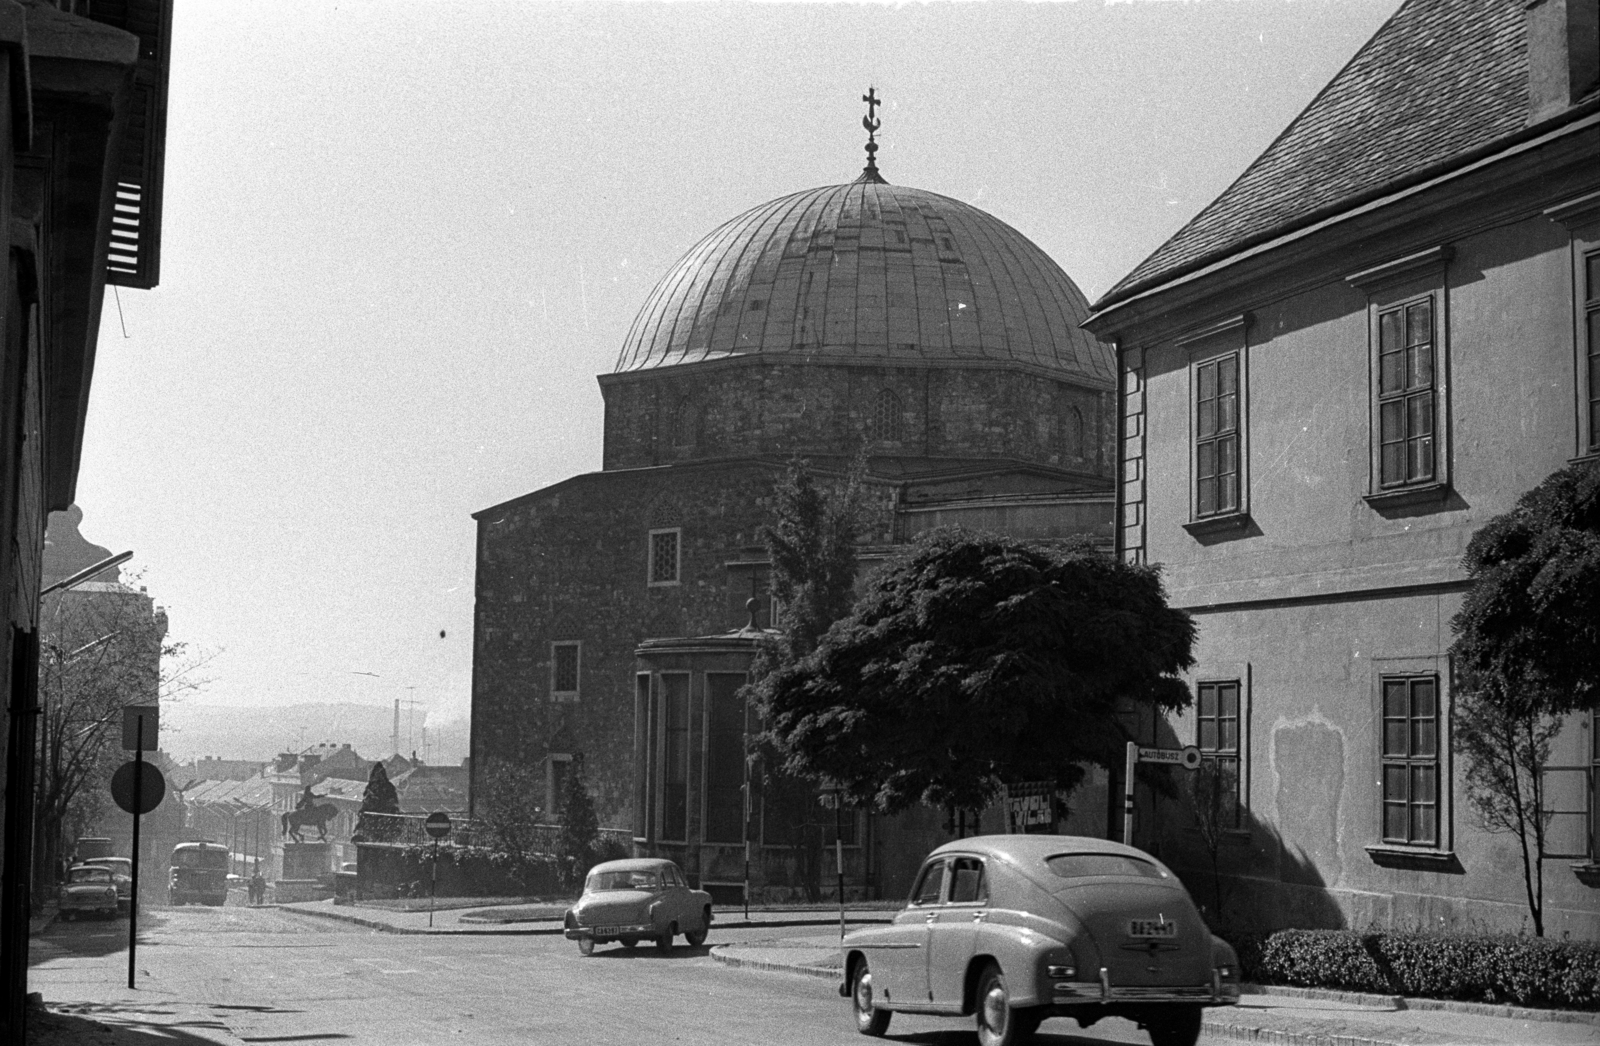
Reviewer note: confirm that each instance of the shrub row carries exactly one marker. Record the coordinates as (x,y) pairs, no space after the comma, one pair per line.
(469,871)
(1527,971)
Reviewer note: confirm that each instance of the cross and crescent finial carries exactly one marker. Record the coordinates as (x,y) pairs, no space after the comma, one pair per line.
(871,123)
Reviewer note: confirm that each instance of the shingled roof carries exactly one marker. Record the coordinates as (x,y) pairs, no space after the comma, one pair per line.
(1441,79)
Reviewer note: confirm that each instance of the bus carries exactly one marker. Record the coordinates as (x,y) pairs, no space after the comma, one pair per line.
(199,874)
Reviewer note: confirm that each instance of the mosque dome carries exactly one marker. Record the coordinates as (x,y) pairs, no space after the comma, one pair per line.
(867,273)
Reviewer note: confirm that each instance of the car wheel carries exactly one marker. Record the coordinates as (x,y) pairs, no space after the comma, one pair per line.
(585,945)
(1174,1026)
(630,942)
(998,1024)
(869,1019)
(664,941)
(698,937)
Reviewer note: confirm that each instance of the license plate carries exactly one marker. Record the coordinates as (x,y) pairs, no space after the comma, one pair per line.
(607,931)
(1152,928)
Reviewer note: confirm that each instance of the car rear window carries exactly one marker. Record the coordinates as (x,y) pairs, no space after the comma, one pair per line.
(622,881)
(1076,866)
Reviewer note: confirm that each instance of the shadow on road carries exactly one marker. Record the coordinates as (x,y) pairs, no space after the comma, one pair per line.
(648,951)
(1069,1035)
(91,938)
(125,1025)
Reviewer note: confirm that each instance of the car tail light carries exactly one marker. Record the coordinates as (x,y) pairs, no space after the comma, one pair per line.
(1065,972)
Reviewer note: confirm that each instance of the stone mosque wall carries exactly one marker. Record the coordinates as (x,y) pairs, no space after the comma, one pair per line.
(749,408)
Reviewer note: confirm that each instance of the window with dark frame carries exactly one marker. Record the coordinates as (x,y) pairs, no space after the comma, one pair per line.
(564,670)
(1217,737)
(1406,394)
(1411,760)
(675,757)
(664,557)
(1591,322)
(725,725)
(1216,451)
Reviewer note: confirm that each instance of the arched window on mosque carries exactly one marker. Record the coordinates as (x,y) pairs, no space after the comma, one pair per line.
(888,421)
(1072,433)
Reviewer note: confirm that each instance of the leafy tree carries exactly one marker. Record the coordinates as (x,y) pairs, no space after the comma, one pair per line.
(1529,628)
(380,797)
(812,547)
(580,827)
(1507,750)
(1528,645)
(972,659)
(508,807)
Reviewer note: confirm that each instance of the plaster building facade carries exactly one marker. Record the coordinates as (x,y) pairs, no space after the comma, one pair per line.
(611,621)
(82,126)
(1374,341)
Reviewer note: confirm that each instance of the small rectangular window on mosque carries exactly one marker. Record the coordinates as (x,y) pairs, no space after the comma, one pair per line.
(564,667)
(664,557)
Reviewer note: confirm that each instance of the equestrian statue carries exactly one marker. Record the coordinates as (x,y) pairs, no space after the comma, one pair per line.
(308,812)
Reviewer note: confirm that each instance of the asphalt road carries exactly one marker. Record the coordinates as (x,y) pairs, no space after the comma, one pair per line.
(261,975)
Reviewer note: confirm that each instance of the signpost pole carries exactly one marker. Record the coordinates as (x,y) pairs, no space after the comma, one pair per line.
(433,882)
(138,804)
(1127,794)
(838,852)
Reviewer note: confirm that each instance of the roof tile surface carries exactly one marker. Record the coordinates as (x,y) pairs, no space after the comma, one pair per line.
(1440,79)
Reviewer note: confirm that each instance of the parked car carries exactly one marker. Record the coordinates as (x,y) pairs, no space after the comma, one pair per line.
(1014,929)
(121,876)
(635,900)
(88,889)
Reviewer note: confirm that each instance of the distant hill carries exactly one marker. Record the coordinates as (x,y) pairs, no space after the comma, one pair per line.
(191,730)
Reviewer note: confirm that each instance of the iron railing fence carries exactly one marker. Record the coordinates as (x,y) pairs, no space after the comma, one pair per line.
(408,830)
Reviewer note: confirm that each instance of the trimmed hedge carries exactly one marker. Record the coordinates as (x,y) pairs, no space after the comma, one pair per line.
(1527,971)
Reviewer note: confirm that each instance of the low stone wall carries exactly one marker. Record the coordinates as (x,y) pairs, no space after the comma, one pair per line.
(287,891)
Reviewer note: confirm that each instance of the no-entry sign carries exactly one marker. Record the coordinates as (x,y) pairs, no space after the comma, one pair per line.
(437,824)
(151,791)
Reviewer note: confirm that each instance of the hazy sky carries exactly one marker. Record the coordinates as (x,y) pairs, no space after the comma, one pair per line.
(402,238)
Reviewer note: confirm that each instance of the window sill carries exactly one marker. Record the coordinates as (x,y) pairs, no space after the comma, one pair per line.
(564,699)
(1588,874)
(1428,494)
(1416,858)
(1218,524)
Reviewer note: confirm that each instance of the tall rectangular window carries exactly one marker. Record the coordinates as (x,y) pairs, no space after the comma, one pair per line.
(643,760)
(1406,394)
(1217,736)
(1411,760)
(664,556)
(675,757)
(564,658)
(724,797)
(1591,323)
(1216,436)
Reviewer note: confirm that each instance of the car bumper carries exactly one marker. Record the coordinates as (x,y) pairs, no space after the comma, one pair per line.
(1217,993)
(87,905)
(607,933)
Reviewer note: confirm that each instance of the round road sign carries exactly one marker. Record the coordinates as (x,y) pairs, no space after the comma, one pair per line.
(1191,757)
(437,824)
(152,789)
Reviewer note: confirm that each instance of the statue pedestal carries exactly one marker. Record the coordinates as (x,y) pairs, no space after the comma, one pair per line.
(305,860)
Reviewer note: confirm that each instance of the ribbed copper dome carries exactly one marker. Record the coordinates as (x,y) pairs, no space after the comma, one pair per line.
(867,272)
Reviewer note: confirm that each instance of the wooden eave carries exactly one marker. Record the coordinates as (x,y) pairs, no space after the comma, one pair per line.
(81,72)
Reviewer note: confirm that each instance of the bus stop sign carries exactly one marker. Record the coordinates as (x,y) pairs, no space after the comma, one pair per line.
(437,824)
(152,790)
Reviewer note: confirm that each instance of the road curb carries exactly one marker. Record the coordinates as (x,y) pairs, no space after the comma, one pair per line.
(384,927)
(1248,1033)
(1401,1002)
(769,966)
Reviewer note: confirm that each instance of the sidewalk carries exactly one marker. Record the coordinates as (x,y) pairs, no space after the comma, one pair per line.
(1287,1016)
(526,920)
